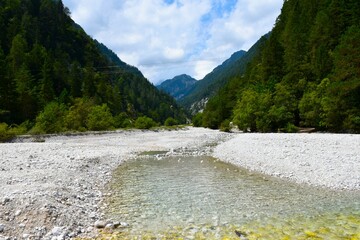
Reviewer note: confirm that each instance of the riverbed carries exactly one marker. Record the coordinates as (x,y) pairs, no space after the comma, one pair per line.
(58,187)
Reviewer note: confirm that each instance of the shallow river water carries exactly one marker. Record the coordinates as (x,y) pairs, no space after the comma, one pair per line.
(155,194)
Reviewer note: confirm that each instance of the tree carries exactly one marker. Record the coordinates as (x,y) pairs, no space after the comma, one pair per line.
(245,111)
(145,123)
(77,116)
(51,119)
(170,122)
(47,93)
(100,118)
(17,54)
(344,112)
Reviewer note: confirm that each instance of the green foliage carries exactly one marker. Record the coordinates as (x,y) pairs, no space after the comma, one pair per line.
(122,120)
(306,73)
(197,120)
(78,114)
(5,134)
(100,118)
(313,103)
(51,119)
(145,123)
(245,111)
(45,56)
(170,122)
(225,126)
(9,132)
(291,128)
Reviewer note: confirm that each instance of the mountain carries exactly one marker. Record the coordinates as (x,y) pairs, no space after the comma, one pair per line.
(306,74)
(204,89)
(48,62)
(178,87)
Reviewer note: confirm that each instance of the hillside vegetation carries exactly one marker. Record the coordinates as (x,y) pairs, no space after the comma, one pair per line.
(196,98)
(56,77)
(306,74)
(179,86)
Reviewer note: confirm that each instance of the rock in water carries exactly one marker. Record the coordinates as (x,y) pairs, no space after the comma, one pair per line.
(100,224)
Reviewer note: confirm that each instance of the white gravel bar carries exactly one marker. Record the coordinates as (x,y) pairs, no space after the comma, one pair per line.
(324,160)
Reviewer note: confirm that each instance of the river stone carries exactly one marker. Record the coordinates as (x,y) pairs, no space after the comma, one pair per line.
(17,213)
(124,224)
(116,224)
(2,228)
(5,200)
(92,215)
(26,236)
(100,224)
(109,226)
(57,231)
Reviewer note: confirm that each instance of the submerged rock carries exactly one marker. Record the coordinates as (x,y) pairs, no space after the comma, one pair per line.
(99,224)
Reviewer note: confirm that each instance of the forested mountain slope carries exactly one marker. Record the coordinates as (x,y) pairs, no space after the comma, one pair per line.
(307,74)
(48,62)
(179,86)
(203,89)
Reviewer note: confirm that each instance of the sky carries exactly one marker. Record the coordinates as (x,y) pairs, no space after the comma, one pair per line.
(165,38)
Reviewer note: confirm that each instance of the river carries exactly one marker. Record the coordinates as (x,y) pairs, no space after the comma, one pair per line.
(158,193)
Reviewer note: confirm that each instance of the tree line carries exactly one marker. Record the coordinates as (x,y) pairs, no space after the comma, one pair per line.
(48,62)
(305,74)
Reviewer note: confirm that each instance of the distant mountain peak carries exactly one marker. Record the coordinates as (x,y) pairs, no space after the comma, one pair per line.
(178,86)
(196,98)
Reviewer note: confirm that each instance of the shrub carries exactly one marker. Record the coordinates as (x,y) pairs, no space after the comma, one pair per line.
(122,120)
(170,122)
(225,126)
(78,114)
(51,119)
(198,120)
(145,123)
(100,118)
(291,128)
(5,134)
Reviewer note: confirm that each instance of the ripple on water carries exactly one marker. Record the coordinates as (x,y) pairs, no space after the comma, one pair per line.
(191,192)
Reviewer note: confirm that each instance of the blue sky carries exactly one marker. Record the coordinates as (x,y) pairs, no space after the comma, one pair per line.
(165,38)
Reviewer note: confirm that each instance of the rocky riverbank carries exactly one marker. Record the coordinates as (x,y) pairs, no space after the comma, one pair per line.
(53,189)
(324,160)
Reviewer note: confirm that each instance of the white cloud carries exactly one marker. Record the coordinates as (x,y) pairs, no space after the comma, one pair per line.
(242,27)
(165,40)
(173,53)
(202,68)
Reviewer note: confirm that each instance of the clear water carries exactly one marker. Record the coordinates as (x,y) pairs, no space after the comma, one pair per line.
(152,194)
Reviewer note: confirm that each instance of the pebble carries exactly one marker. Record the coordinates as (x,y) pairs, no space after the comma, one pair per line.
(116,224)
(99,224)
(57,231)
(2,228)
(26,236)
(5,200)
(124,224)
(92,215)
(109,226)
(17,213)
